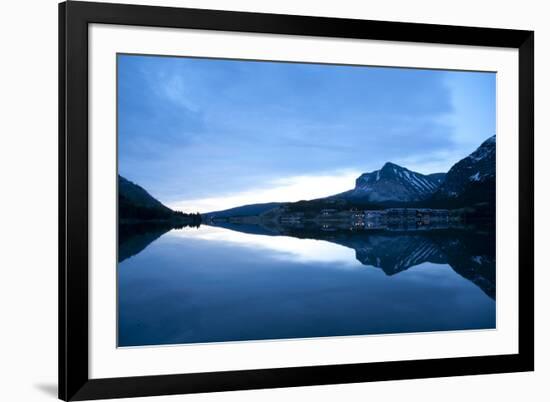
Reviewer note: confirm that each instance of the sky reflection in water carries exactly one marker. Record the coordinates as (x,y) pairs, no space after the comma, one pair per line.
(213,285)
(280,247)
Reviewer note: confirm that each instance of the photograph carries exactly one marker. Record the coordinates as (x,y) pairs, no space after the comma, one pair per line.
(266,201)
(272,200)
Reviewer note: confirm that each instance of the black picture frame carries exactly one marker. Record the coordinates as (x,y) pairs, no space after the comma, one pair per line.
(74,381)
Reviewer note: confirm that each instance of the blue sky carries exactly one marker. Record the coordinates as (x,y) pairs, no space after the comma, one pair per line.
(208,134)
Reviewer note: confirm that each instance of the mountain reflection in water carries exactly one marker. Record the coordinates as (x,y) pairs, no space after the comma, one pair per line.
(170,281)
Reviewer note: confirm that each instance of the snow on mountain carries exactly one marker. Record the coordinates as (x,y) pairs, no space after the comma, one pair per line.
(394,183)
(478,167)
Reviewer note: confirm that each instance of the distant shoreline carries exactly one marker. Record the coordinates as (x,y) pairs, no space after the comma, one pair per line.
(175,221)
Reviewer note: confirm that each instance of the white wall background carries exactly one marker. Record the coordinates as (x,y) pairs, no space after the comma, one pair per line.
(28,205)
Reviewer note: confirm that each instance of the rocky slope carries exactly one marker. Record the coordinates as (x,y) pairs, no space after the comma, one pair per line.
(478,167)
(393,183)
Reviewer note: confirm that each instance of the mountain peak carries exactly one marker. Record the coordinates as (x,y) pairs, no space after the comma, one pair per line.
(394,183)
(490,141)
(391,165)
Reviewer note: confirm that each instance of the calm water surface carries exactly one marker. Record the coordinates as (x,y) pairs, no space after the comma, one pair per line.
(212,284)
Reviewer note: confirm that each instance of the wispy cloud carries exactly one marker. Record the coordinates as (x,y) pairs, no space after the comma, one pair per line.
(171,87)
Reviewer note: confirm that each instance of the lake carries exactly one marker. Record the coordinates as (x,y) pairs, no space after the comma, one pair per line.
(219,284)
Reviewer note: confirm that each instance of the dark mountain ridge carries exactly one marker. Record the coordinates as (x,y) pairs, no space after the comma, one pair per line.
(136,205)
(478,167)
(471,182)
(245,210)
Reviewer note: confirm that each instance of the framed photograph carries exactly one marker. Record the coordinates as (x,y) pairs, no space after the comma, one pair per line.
(256,200)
